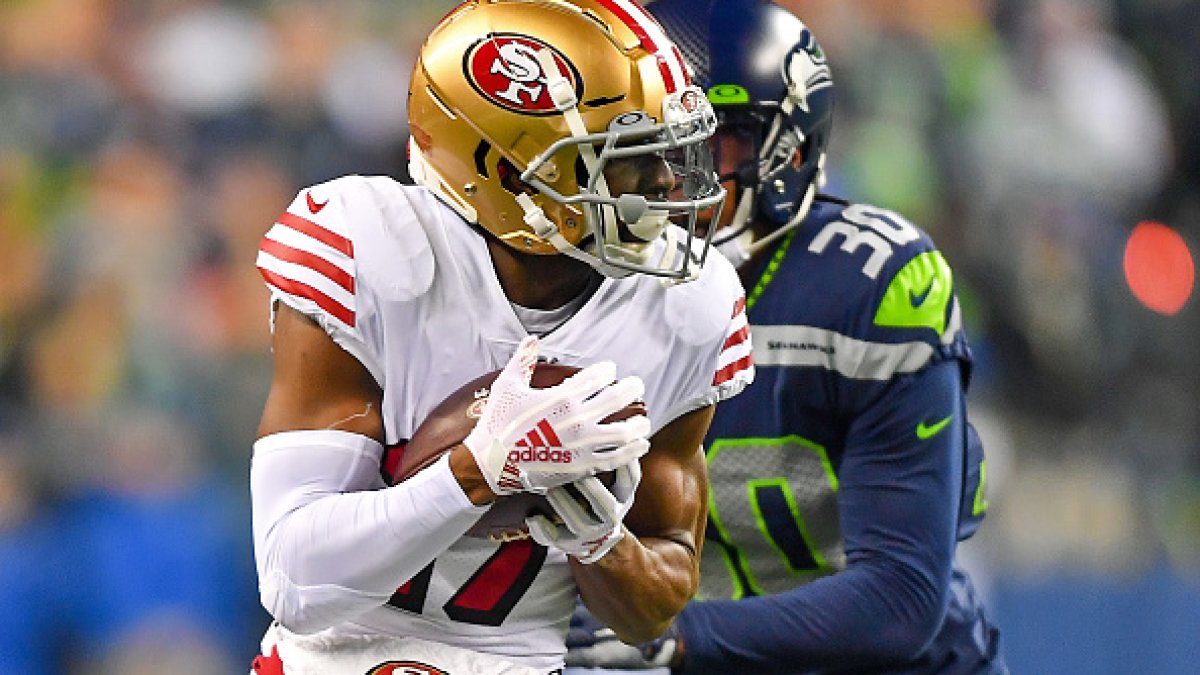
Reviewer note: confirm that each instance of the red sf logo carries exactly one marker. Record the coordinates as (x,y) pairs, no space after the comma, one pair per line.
(504,69)
(405,668)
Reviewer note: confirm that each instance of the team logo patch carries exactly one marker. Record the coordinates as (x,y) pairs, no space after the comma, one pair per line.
(690,101)
(805,70)
(475,409)
(504,69)
(405,668)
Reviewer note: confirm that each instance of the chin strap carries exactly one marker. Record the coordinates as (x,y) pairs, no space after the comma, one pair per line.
(545,229)
(742,247)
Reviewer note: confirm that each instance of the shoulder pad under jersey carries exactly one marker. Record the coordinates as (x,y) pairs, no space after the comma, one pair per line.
(712,310)
(341,237)
(883,269)
(864,287)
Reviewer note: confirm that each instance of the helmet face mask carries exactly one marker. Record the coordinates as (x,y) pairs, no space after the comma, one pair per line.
(623,225)
(564,93)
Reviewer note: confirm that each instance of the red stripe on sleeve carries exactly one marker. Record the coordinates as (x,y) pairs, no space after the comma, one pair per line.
(737,338)
(728,372)
(315,263)
(321,234)
(335,308)
(739,306)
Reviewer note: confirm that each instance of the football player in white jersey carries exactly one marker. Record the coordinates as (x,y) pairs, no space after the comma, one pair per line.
(560,154)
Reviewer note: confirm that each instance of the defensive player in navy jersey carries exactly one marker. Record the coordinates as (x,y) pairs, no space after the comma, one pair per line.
(845,475)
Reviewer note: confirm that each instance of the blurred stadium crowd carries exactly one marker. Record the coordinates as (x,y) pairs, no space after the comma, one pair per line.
(146,145)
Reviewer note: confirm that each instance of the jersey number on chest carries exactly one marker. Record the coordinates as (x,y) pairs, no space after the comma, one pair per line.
(490,594)
(772,516)
(865,226)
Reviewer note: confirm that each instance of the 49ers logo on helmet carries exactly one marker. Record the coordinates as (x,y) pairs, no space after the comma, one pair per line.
(504,68)
(405,668)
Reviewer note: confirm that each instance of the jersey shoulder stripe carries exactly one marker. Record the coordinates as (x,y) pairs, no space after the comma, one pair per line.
(869,273)
(736,362)
(862,293)
(308,260)
(321,233)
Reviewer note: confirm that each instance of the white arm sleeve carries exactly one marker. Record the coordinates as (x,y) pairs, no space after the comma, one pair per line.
(330,539)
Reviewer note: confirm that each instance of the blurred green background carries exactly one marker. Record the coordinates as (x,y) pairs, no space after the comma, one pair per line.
(146,145)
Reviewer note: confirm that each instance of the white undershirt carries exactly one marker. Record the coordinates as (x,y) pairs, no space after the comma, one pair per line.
(540,322)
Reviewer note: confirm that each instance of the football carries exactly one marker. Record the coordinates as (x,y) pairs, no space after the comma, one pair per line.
(450,422)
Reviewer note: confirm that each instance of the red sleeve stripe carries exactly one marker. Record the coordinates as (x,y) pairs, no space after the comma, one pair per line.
(738,337)
(316,263)
(303,290)
(737,352)
(321,234)
(730,371)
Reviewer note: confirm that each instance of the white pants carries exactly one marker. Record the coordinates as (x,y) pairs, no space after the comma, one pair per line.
(379,655)
(575,670)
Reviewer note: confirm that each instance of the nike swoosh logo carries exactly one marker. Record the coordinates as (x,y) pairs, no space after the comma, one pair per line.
(925,432)
(914,298)
(316,208)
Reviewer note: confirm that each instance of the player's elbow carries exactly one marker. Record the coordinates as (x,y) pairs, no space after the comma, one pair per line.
(913,625)
(904,641)
(909,608)
(306,610)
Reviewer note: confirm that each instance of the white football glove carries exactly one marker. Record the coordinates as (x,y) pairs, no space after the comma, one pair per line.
(530,440)
(588,531)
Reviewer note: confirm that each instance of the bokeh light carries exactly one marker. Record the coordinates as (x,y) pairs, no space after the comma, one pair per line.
(1159,267)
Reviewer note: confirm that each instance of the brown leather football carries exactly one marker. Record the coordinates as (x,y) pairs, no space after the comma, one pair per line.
(450,422)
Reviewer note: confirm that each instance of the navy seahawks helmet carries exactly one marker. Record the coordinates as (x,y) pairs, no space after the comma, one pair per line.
(765,75)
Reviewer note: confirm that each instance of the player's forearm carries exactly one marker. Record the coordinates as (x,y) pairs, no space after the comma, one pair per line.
(640,586)
(330,547)
(872,614)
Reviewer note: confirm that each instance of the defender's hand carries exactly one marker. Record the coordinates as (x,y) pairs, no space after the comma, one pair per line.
(590,528)
(529,440)
(590,644)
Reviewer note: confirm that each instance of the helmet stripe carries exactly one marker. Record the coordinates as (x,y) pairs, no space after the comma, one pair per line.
(653,40)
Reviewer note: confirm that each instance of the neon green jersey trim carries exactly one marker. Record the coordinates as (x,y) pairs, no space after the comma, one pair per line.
(981,504)
(733,557)
(918,295)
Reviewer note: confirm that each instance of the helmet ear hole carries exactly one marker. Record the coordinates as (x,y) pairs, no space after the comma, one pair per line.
(582,177)
(510,178)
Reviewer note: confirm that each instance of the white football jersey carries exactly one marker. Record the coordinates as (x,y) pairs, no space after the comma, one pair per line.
(401,282)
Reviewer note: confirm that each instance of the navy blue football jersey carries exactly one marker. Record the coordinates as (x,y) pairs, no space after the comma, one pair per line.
(851,453)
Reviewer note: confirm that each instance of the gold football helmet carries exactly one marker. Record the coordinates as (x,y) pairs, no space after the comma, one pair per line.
(516,107)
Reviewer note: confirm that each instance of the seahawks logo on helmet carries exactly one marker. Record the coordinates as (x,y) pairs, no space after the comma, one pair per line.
(805,70)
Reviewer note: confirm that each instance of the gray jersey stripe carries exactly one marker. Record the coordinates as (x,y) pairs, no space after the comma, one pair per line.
(856,359)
